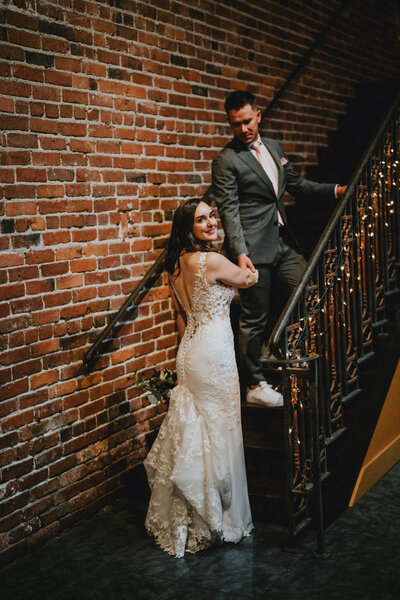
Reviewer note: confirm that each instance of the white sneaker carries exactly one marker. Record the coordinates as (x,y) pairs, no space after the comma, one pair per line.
(265,395)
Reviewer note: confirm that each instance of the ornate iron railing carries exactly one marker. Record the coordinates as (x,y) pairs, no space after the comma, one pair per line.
(330,323)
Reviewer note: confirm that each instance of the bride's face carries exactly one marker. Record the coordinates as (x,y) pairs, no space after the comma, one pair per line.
(205,223)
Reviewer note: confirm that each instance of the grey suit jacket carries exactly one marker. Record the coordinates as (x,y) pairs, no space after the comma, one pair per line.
(247,203)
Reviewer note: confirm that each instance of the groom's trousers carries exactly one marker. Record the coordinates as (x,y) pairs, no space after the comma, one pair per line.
(280,277)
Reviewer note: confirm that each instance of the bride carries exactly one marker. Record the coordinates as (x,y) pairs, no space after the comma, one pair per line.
(196,468)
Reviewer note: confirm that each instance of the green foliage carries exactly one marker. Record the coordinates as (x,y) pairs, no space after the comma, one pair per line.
(159,384)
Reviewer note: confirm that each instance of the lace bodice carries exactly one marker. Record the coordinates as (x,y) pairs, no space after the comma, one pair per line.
(210,301)
(205,356)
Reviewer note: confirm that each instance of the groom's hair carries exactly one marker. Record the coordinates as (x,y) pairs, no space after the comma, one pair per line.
(237,99)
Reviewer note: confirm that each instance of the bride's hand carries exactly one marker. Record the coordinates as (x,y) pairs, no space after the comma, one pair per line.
(256,275)
(244,262)
(252,276)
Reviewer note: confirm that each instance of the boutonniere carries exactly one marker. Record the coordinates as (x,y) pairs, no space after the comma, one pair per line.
(284,161)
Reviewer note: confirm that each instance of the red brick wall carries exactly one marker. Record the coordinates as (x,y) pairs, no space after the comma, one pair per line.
(110,115)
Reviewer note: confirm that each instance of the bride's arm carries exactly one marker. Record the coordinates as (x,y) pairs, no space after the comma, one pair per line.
(219,268)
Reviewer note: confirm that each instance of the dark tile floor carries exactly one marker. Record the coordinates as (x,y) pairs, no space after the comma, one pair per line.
(111,558)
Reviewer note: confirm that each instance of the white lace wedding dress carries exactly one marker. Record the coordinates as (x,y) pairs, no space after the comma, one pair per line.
(196,468)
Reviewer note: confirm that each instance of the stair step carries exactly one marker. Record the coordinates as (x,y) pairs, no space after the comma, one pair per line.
(265,470)
(273,491)
(262,426)
(266,485)
(264,462)
(268,510)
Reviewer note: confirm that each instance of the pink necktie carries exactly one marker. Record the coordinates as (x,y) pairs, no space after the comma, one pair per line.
(269,166)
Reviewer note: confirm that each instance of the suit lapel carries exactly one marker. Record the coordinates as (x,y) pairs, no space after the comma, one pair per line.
(246,155)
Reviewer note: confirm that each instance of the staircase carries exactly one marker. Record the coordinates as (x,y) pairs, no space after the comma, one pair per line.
(265,463)
(336,345)
(345,314)
(263,436)
(338,160)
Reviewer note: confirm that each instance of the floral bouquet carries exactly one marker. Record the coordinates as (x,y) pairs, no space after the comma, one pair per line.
(159,384)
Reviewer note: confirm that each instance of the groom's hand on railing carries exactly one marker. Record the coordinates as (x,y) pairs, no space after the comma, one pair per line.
(340,190)
(244,262)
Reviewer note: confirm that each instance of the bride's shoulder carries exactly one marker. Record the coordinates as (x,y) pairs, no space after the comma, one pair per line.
(216,266)
(215,259)
(190,262)
(190,258)
(209,260)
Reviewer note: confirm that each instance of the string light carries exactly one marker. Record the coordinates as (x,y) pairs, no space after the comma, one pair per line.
(333,278)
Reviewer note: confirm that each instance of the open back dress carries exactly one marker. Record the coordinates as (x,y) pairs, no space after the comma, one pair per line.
(195,468)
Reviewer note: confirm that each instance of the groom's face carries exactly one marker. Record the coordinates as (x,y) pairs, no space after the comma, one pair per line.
(244,123)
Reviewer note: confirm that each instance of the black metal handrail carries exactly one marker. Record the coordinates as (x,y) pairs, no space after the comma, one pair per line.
(305,59)
(332,321)
(142,288)
(275,338)
(157,267)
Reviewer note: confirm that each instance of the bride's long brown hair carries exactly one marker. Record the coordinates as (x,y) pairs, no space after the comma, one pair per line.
(182,238)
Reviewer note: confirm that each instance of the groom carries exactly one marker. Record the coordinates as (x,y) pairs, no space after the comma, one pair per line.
(249,177)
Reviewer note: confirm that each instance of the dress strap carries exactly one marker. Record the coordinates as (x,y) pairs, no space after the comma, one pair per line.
(202,264)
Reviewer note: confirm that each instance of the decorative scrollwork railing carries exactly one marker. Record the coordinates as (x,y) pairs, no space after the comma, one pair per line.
(330,323)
